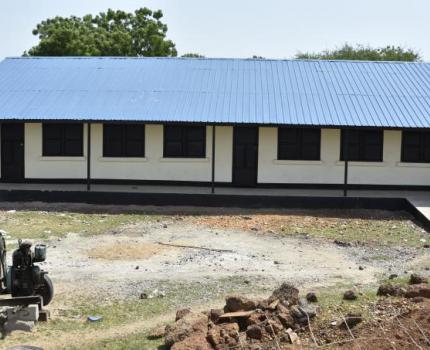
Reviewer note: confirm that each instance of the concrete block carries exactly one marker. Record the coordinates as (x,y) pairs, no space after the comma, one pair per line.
(25,326)
(29,313)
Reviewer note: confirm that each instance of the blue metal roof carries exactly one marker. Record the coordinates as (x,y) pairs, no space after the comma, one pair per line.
(291,92)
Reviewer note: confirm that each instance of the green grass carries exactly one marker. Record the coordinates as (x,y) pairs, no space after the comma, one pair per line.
(44,224)
(387,228)
(137,341)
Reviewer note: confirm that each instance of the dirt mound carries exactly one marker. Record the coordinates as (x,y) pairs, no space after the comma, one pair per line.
(126,251)
(244,323)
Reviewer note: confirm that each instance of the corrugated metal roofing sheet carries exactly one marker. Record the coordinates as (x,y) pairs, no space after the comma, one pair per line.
(290,92)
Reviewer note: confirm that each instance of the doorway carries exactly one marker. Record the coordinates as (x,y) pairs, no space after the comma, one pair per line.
(12,152)
(245,156)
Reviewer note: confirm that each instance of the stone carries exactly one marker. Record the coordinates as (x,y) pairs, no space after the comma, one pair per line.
(254,332)
(417,279)
(390,290)
(294,338)
(286,319)
(28,313)
(393,276)
(235,303)
(342,243)
(349,295)
(16,325)
(181,313)
(418,290)
(350,321)
(274,326)
(286,293)
(215,314)
(192,324)
(195,342)
(311,297)
(224,335)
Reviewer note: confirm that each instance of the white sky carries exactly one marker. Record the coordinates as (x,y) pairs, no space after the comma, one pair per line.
(242,28)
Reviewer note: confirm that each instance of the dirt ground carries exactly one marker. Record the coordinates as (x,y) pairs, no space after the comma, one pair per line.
(193,257)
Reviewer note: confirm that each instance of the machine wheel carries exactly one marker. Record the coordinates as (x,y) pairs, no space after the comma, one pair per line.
(47,291)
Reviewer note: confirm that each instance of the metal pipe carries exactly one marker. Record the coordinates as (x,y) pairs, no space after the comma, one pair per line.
(213,159)
(88,156)
(345,159)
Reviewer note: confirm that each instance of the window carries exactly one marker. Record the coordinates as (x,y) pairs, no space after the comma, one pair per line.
(416,146)
(363,145)
(299,144)
(62,140)
(184,141)
(124,140)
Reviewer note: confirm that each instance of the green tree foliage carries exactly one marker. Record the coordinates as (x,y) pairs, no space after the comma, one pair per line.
(364,53)
(114,33)
(192,55)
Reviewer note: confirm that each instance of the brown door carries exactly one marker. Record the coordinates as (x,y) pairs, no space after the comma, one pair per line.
(12,152)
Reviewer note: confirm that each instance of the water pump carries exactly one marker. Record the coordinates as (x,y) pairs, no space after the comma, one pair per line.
(24,277)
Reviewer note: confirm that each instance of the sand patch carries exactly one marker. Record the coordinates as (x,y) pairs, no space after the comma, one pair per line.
(126,251)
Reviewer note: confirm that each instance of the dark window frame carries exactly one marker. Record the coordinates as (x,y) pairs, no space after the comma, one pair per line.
(300,144)
(123,138)
(361,145)
(62,141)
(422,157)
(184,140)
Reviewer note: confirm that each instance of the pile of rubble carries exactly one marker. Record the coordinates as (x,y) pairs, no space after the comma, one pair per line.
(418,289)
(245,323)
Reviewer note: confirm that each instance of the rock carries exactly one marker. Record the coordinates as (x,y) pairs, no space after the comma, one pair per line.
(393,276)
(254,332)
(349,295)
(164,225)
(225,335)
(308,310)
(182,313)
(274,326)
(235,303)
(361,268)
(17,325)
(390,290)
(294,338)
(192,324)
(143,296)
(215,314)
(286,293)
(137,267)
(418,290)
(311,297)
(417,279)
(194,342)
(342,243)
(157,332)
(254,228)
(286,319)
(246,218)
(418,299)
(350,321)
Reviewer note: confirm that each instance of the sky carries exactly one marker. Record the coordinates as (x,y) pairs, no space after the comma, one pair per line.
(243,28)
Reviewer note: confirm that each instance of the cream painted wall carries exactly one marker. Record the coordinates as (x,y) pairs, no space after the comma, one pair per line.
(39,167)
(330,170)
(270,170)
(155,167)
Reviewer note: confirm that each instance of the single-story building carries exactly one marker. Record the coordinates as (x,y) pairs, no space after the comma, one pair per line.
(238,122)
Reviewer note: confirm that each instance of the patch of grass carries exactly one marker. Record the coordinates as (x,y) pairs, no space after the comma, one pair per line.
(133,342)
(396,229)
(123,313)
(45,224)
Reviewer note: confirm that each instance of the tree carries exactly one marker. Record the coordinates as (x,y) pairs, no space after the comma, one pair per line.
(364,53)
(192,55)
(114,33)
